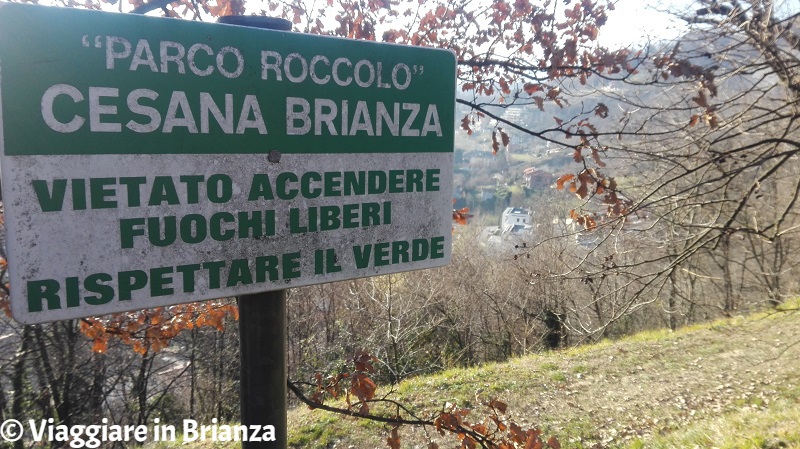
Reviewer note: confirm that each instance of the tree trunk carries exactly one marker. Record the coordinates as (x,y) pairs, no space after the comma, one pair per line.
(18,378)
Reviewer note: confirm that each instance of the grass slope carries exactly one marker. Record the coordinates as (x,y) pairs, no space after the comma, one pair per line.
(731,384)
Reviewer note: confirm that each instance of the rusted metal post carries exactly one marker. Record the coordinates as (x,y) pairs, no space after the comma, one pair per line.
(262,346)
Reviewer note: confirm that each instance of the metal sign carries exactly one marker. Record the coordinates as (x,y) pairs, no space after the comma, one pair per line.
(149,162)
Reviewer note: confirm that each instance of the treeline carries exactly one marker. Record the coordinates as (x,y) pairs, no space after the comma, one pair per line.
(492,303)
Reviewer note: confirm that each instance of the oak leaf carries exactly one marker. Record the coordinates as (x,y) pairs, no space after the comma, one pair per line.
(596,157)
(504,137)
(393,441)
(563,179)
(498,405)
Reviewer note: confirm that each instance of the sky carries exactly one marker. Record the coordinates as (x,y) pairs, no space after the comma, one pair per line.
(632,21)
(636,20)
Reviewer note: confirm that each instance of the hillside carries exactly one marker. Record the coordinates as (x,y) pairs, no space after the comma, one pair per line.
(728,384)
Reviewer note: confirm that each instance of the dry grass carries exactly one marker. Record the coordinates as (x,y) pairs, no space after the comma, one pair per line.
(728,384)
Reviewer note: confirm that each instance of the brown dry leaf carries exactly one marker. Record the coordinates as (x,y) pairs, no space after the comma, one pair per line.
(562,180)
(393,441)
(533,442)
(465,125)
(504,137)
(504,86)
(500,425)
(701,100)
(583,190)
(596,157)
(531,88)
(100,346)
(363,387)
(498,405)
(480,428)
(461,216)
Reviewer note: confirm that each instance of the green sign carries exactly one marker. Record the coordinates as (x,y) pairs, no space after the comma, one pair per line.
(151,161)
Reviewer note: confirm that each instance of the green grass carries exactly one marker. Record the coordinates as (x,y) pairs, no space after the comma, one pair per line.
(727,384)
(752,427)
(524,158)
(322,432)
(580,369)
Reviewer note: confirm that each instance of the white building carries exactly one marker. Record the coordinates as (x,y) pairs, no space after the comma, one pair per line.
(516,220)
